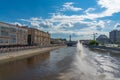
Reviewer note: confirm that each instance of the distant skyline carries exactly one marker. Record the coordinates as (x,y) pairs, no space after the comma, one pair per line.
(79,18)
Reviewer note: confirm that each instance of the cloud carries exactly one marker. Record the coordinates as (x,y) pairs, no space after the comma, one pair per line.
(89,10)
(64,25)
(46,24)
(81,24)
(117,26)
(35,19)
(69,7)
(111,7)
(35,23)
(17,23)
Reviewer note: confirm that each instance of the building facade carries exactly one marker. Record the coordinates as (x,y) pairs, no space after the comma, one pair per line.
(12,34)
(115,36)
(103,39)
(38,37)
(58,41)
(22,35)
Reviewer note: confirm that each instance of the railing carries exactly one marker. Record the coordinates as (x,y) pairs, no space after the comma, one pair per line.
(13,49)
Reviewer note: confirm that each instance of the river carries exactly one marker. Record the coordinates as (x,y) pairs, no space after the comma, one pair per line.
(67,63)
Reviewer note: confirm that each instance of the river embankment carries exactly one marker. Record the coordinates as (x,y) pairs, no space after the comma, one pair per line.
(104,48)
(18,55)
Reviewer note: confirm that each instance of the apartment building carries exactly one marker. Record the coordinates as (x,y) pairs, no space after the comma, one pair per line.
(115,36)
(12,34)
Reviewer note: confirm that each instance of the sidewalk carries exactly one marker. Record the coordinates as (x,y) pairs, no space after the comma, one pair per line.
(12,56)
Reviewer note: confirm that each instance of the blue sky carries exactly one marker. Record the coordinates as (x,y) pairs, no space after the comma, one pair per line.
(79,18)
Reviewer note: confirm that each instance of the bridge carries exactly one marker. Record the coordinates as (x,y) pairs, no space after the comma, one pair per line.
(70,42)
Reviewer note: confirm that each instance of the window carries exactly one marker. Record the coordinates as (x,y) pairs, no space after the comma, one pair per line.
(12,39)
(4,33)
(13,30)
(1,41)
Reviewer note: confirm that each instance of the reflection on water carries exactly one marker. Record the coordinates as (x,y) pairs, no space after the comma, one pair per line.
(45,66)
(12,70)
(38,59)
(93,65)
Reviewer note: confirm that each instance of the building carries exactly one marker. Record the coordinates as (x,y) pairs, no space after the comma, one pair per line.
(22,35)
(103,39)
(15,35)
(115,36)
(38,37)
(11,35)
(58,41)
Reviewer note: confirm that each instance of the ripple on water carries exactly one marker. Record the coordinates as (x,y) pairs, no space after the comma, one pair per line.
(90,65)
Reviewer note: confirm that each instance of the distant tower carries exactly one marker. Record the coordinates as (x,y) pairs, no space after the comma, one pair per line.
(70,38)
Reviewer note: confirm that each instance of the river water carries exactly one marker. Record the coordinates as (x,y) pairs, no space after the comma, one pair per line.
(68,63)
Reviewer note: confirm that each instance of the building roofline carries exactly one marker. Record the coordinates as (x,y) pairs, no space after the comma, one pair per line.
(16,25)
(7,23)
(115,30)
(40,30)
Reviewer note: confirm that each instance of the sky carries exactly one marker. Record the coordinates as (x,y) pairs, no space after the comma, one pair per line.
(61,18)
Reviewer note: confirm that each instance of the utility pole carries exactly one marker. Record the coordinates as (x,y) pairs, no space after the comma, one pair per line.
(70,38)
(94,36)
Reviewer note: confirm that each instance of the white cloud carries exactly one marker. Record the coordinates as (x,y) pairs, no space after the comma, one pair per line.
(35,23)
(71,20)
(38,22)
(46,24)
(35,19)
(69,6)
(117,26)
(64,24)
(17,23)
(65,18)
(89,10)
(111,7)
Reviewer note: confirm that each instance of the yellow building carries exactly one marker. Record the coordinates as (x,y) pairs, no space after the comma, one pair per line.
(22,35)
(38,37)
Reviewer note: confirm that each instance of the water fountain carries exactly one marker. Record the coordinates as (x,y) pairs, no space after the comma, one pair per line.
(83,67)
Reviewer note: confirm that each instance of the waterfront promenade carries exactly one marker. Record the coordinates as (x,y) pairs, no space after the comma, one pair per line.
(21,54)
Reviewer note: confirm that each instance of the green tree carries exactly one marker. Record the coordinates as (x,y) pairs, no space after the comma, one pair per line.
(93,42)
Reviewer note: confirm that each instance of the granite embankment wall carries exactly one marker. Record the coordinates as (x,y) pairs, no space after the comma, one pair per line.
(112,49)
(18,55)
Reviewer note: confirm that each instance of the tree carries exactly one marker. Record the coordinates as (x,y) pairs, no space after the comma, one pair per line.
(93,42)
